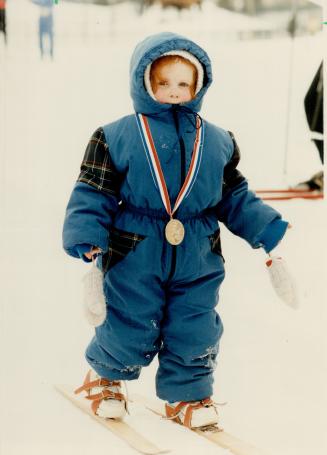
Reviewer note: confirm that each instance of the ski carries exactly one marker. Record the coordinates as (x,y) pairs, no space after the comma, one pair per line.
(120,428)
(212,433)
(285,190)
(287,197)
(286,194)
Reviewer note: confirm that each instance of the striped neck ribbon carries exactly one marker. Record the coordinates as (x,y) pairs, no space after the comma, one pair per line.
(155,167)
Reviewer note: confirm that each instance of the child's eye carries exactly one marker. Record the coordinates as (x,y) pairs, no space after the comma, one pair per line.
(163,83)
(184,84)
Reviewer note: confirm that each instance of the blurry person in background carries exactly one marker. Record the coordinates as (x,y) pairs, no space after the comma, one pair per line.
(45,25)
(313,105)
(3,19)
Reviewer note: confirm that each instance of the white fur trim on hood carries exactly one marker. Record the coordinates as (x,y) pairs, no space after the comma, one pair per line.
(188,56)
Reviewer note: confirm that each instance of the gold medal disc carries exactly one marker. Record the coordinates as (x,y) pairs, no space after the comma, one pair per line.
(174,232)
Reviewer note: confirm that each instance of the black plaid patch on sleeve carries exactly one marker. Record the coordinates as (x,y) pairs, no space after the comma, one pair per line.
(97,168)
(232,176)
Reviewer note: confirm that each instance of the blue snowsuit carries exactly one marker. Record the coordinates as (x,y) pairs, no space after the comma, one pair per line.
(161,298)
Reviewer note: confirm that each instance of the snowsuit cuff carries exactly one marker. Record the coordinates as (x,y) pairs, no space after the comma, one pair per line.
(273,234)
(83,248)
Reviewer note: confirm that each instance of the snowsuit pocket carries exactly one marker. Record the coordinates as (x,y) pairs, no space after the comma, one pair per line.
(120,244)
(216,243)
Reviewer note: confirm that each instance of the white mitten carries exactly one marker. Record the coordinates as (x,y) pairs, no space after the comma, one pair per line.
(282,281)
(94,298)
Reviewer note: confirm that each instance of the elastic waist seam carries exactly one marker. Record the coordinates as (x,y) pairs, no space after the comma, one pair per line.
(153,213)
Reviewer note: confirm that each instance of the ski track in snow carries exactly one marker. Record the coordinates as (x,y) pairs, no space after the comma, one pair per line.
(271,367)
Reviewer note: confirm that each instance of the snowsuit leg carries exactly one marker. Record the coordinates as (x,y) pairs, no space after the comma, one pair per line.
(130,336)
(191,330)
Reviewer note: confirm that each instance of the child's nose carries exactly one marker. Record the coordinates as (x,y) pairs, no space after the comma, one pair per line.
(174,93)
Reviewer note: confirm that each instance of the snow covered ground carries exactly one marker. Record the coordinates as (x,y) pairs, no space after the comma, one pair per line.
(272,366)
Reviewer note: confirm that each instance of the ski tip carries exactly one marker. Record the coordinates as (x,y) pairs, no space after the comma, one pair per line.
(58,387)
(163,451)
(121,428)
(64,389)
(156,451)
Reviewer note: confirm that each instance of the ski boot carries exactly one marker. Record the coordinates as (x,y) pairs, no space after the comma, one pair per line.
(107,399)
(193,414)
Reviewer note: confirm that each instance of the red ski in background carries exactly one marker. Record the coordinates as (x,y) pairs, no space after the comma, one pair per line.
(288,193)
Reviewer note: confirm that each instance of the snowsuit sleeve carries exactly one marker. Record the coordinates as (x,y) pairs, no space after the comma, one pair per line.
(94,199)
(244,213)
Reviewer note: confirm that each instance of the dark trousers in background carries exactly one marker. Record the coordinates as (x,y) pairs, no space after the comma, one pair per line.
(313,104)
(3,23)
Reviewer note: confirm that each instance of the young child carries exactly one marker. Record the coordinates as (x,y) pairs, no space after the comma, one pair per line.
(153,186)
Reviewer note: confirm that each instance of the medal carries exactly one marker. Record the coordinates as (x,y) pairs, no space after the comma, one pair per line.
(174,230)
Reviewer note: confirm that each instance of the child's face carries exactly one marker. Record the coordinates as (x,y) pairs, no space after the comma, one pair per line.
(173,82)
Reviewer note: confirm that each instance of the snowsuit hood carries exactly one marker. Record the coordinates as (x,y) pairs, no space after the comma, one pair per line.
(149,50)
